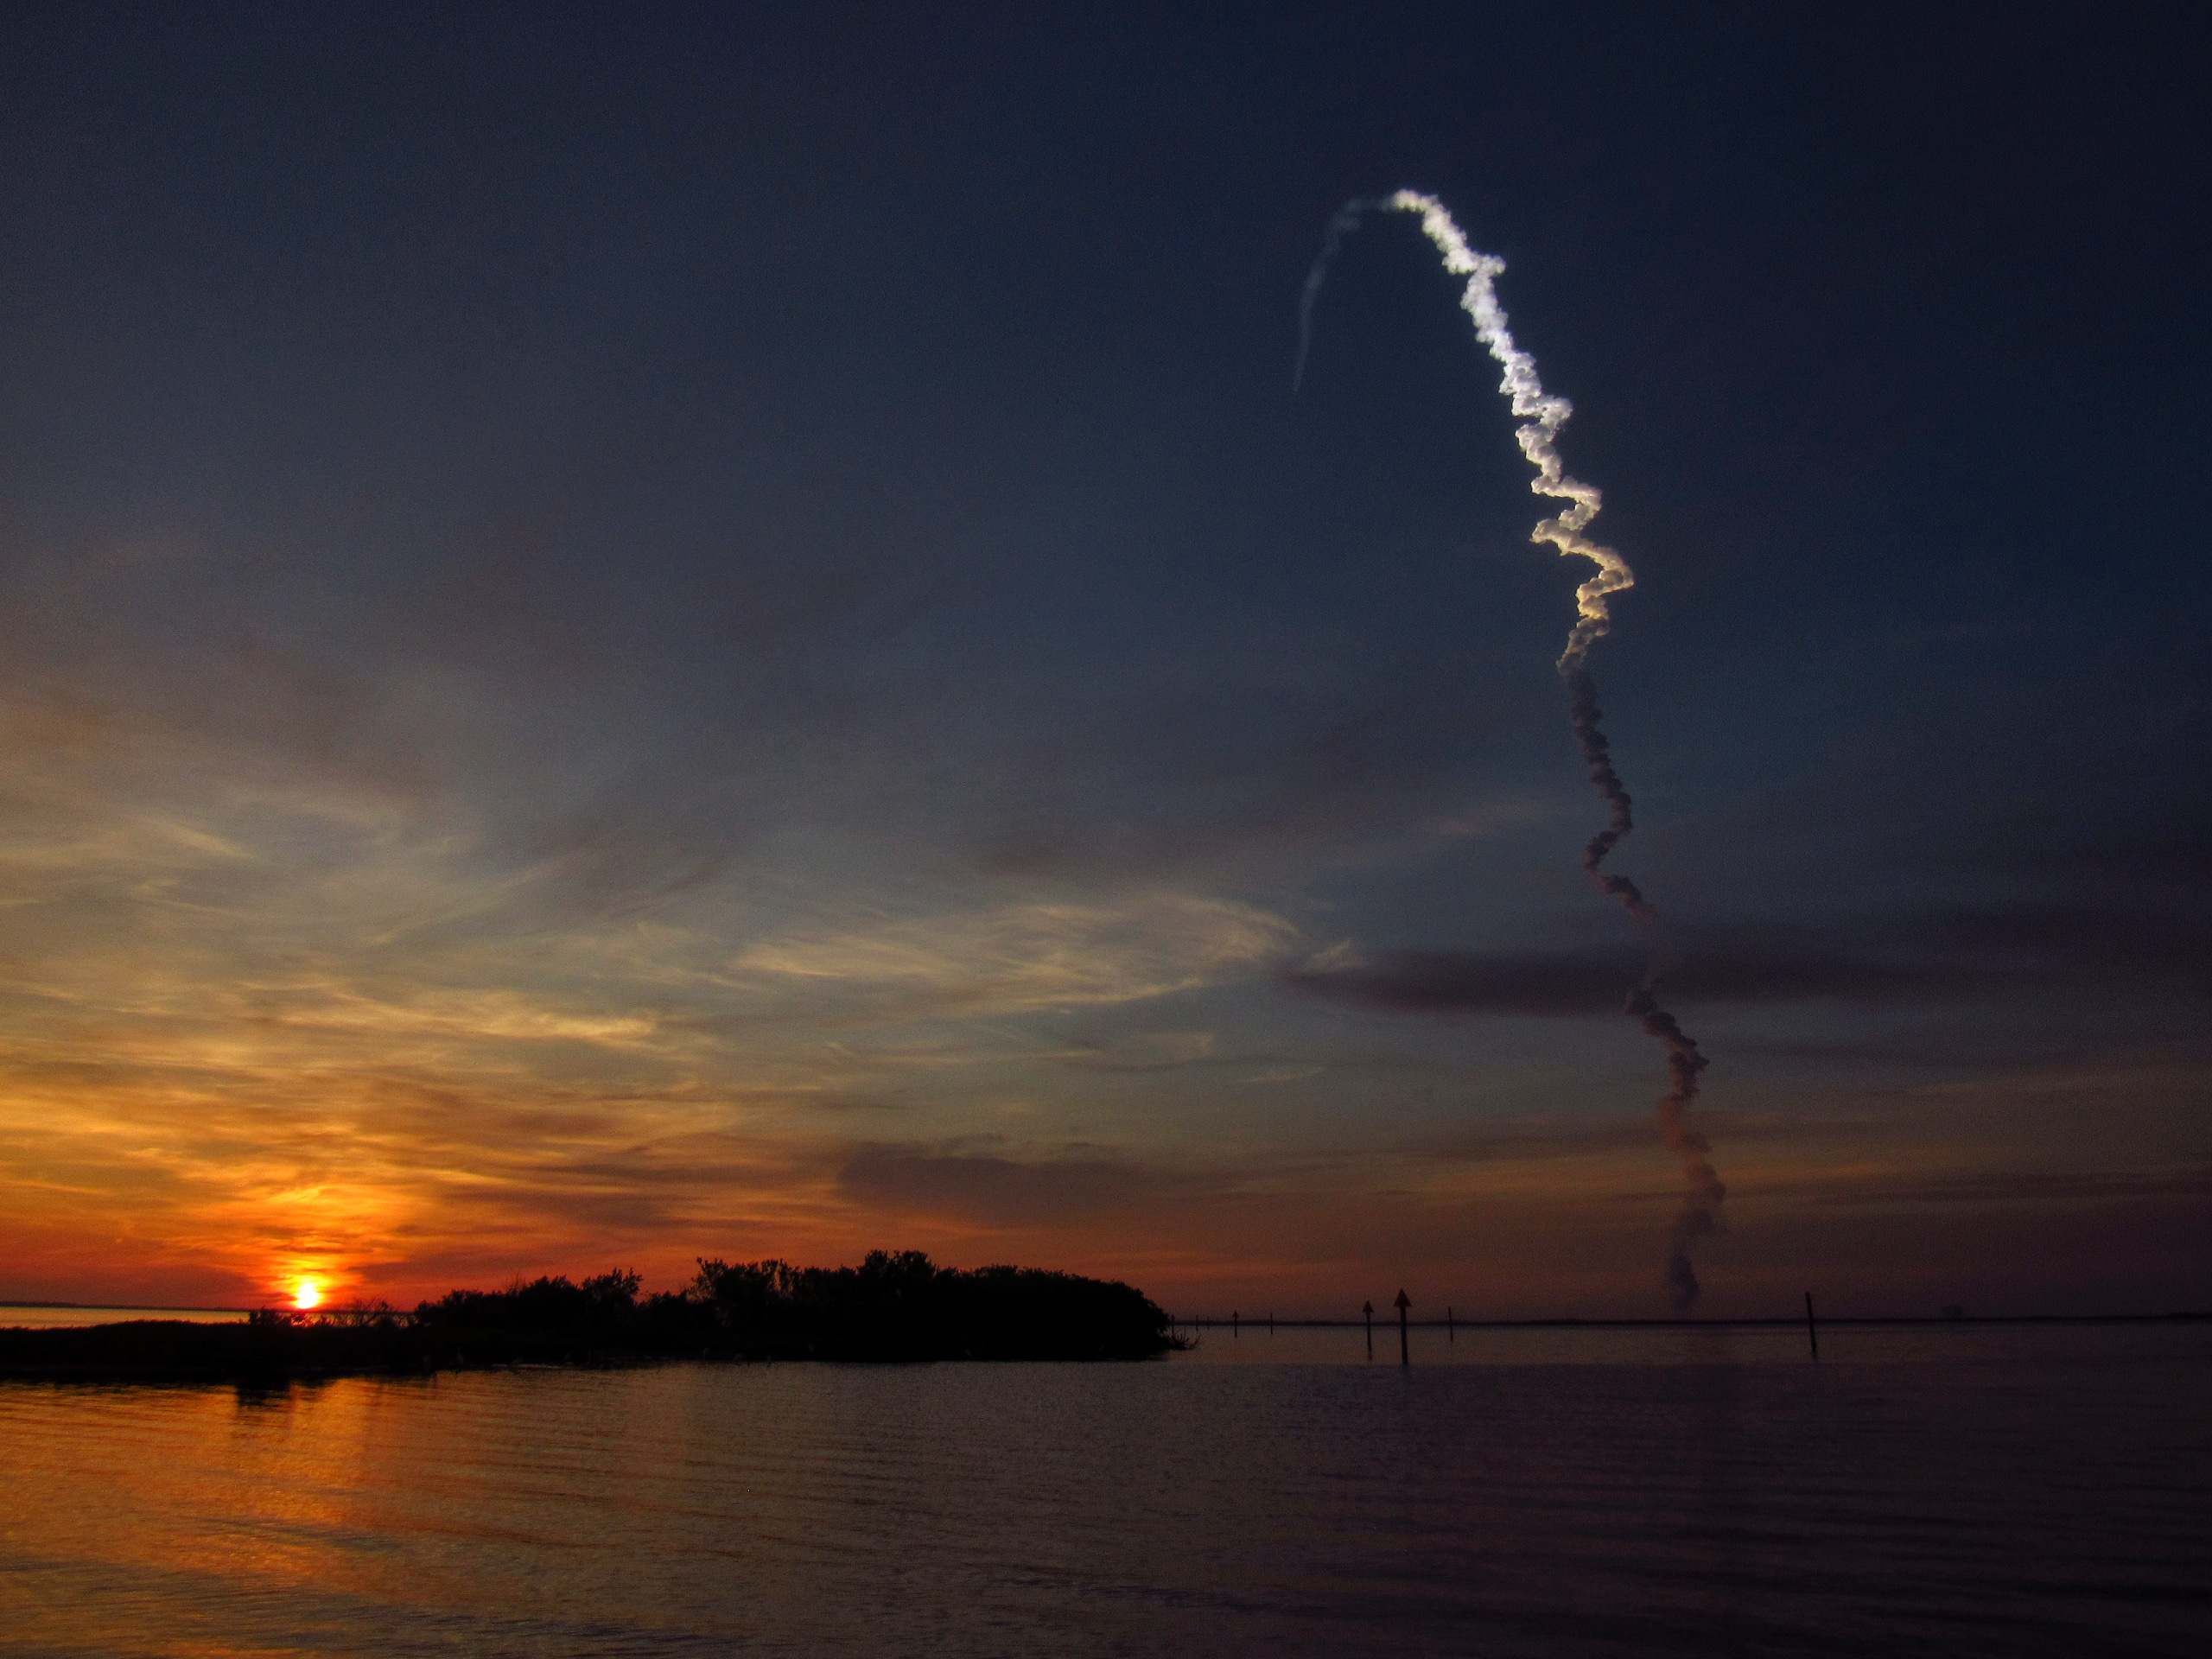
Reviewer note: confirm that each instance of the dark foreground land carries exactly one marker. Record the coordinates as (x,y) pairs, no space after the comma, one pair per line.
(892,1308)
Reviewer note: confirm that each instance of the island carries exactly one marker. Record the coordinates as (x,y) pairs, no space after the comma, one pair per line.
(895,1306)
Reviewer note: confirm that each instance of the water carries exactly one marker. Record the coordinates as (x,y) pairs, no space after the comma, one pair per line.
(1927,1490)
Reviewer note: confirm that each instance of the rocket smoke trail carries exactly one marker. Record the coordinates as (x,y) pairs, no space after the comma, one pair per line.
(1345,222)
(1544,415)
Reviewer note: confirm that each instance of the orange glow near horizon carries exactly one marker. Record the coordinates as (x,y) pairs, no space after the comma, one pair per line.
(308,1295)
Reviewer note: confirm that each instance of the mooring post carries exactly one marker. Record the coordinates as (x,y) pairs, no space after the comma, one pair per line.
(1271,1321)
(1235,1330)
(1367,1308)
(1812,1328)
(1451,1324)
(1405,1354)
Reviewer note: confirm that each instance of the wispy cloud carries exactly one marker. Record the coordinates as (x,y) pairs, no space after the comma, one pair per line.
(1027,956)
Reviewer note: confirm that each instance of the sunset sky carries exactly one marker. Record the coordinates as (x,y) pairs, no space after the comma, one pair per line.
(637,633)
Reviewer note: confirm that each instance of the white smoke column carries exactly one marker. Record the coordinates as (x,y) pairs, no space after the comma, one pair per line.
(1545,415)
(1563,532)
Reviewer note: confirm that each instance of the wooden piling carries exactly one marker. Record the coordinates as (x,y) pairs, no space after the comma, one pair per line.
(1367,1308)
(1405,1353)
(1812,1328)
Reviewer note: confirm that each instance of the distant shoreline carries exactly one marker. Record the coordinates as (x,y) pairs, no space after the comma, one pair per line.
(893,1308)
(1261,1323)
(125,1307)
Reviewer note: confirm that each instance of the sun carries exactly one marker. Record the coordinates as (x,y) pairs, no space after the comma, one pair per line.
(307,1294)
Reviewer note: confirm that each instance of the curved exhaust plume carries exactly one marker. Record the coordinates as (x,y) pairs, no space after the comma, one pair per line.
(1345,222)
(1543,415)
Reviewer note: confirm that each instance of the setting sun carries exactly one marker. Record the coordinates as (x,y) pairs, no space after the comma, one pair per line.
(308,1295)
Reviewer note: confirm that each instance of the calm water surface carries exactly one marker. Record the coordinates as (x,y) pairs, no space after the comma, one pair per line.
(1976,1489)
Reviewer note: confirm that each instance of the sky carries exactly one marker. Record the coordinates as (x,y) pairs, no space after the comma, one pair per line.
(630,635)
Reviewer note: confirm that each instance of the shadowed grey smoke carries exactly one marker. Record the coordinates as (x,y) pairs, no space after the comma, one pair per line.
(1700,1211)
(1699,1215)
(1584,714)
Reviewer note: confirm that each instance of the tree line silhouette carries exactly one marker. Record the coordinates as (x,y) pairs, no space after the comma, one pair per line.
(894,1307)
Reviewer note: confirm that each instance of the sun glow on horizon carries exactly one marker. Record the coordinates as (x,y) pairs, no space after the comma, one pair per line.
(307,1294)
